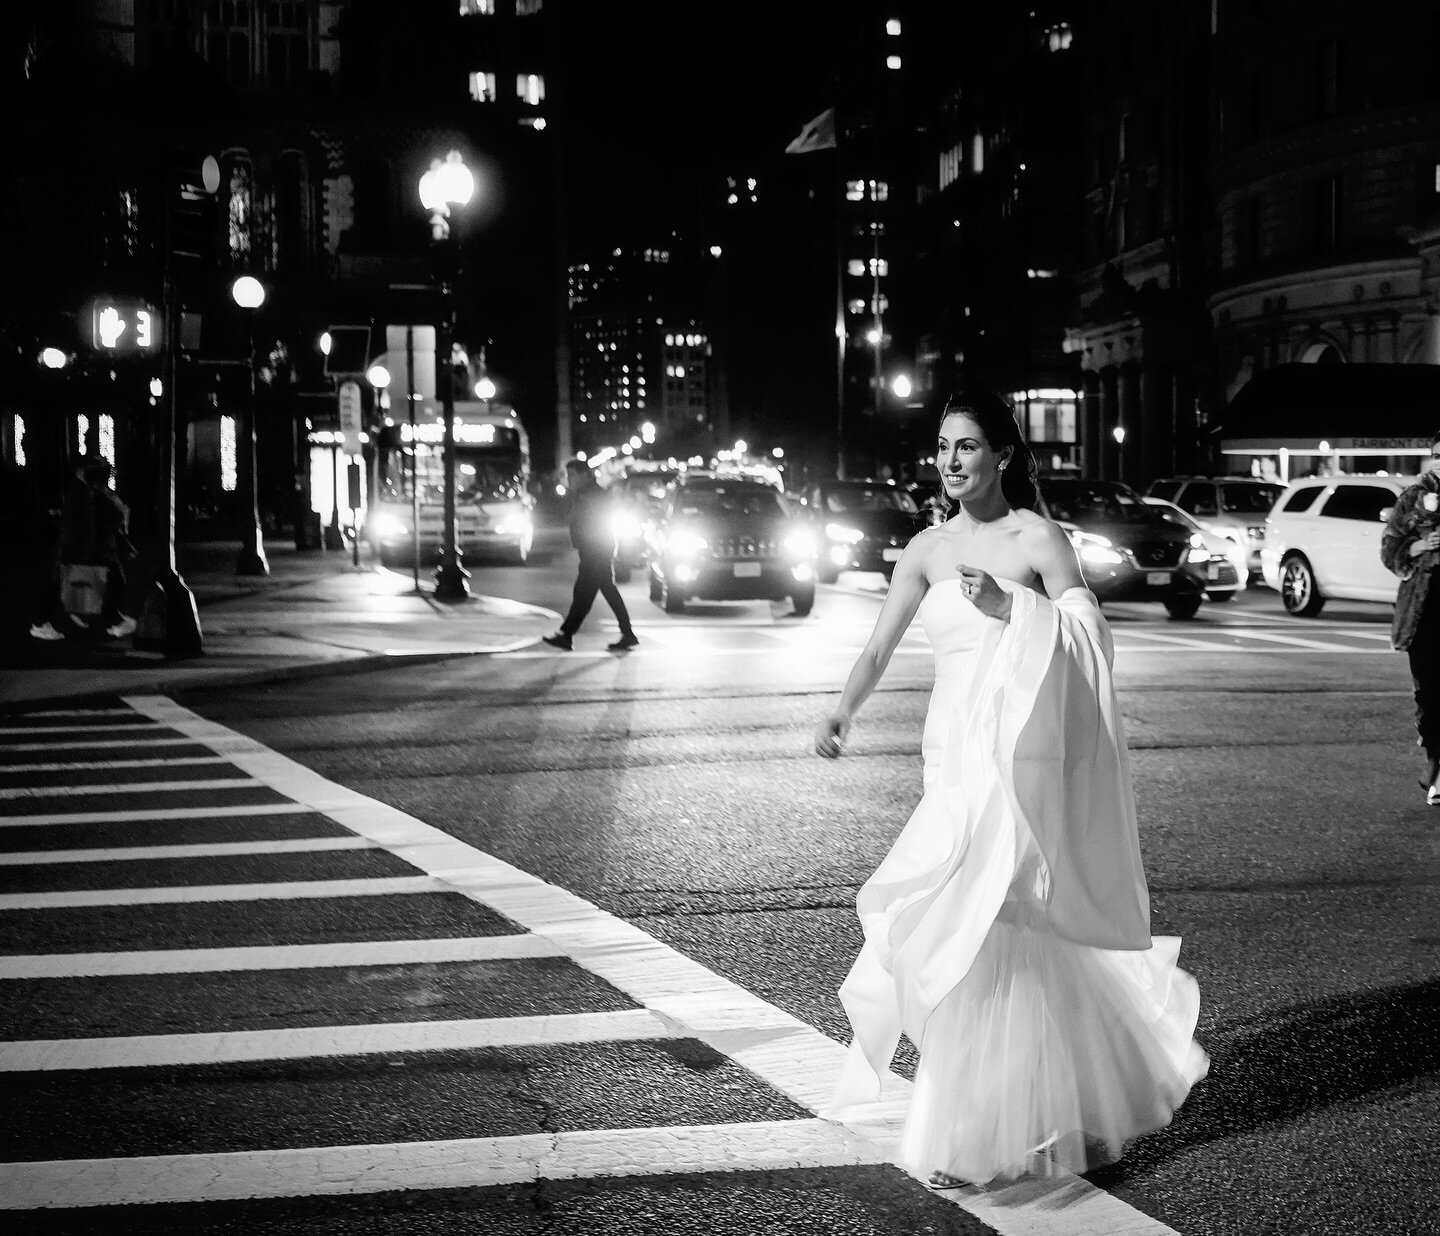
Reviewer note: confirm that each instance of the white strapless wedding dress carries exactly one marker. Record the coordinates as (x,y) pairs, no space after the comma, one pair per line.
(1007,930)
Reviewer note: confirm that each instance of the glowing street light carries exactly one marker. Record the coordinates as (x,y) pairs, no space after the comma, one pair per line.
(448,183)
(901,386)
(53,358)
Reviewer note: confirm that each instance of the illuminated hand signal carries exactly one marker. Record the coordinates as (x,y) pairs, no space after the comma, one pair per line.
(112,326)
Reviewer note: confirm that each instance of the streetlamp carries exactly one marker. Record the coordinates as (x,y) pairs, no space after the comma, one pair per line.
(447,183)
(249,293)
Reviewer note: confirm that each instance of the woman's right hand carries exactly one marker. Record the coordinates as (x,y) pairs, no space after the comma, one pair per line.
(830,735)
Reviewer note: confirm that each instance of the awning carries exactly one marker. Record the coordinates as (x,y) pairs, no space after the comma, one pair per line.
(1335,409)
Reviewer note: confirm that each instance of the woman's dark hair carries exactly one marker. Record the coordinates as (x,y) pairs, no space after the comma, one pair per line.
(997,422)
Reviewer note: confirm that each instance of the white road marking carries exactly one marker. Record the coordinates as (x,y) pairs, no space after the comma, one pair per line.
(32,731)
(278,890)
(310,1042)
(214,849)
(786,1053)
(92,744)
(1297,641)
(457,1164)
(174,761)
(12,792)
(156,813)
(277,957)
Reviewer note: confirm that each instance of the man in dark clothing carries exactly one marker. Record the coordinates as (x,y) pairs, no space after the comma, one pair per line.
(592,532)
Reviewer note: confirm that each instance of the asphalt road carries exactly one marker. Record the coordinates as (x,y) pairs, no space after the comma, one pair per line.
(1285,839)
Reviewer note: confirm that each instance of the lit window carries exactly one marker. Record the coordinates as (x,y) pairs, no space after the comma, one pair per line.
(892,27)
(20,440)
(482,87)
(1058,38)
(879,267)
(477,8)
(855,306)
(977,153)
(854,190)
(855,267)
(892,62)
(879,191)
(528,8)
(530,87)
(229,457)
(533,122)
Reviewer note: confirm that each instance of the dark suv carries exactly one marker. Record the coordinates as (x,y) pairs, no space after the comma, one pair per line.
(727,539)
(861,525)
(1128,550)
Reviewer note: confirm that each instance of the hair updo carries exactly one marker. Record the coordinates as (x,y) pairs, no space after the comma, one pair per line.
(997,422)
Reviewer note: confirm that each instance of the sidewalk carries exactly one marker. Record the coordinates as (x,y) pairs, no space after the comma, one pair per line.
(315,613)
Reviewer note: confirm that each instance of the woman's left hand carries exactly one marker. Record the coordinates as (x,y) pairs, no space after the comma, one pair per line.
(984,593)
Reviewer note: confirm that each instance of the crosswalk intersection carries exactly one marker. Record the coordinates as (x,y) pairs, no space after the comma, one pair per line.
(230,980)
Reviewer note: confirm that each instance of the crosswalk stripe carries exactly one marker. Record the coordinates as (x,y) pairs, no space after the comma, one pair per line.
(787,1054)
(278,957)
(1295,641)
(279,890)
(13,792)
(160,814)
(140,727)
(308,1042)
(95,744)
(213,849)
(82,712)
(174,761)
(454,1164)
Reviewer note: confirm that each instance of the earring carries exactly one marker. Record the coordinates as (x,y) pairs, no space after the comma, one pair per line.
(1001,468)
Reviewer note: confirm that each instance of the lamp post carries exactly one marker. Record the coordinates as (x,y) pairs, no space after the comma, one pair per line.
(249,293)
(379,378)
(447,183)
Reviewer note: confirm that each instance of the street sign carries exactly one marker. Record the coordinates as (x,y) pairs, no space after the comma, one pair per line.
(350,416)
(349,350)
(123,326)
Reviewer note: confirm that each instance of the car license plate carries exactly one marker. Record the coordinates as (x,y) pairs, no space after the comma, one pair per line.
(891,555)
(747,570)
(1157,578)
(1212,572)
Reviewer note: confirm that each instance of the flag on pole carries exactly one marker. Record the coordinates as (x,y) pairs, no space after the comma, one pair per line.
(818,134)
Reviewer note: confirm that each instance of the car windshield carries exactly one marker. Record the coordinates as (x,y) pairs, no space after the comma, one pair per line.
(1079,501)
(750,502)
(1168,510)
(1249,499)
(869,498)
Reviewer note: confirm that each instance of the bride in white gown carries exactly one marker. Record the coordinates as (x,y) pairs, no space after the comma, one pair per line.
(1007,932)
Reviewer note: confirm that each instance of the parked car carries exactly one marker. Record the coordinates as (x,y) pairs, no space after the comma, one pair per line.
(1227,572)
(861,525)
(730,539)
(1128,551)
(1322,541)
(1233,506)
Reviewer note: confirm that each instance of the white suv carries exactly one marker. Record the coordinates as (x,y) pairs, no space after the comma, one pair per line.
(1322,541)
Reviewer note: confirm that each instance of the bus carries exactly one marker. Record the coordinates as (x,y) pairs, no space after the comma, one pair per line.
(494,508)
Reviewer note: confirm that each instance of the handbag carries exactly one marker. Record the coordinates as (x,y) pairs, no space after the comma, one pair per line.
(82,589)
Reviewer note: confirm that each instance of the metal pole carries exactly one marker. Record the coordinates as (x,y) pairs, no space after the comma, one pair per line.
(251,560)
(414,455)
(451,579)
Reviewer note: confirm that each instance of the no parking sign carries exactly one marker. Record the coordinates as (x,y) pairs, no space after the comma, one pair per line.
(350,416)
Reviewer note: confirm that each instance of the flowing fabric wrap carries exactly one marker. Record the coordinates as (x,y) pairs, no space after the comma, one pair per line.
(1034,745)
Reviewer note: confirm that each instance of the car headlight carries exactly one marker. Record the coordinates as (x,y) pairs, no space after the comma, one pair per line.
(512,525)
(801,543)
(388,526)
(626,527)
(1095,549)
(687,544)
(844,534)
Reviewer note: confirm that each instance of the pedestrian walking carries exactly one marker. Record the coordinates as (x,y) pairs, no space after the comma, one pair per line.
(94,531)
(1411,549)
(30,554)
(592,533)
(1007,932)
